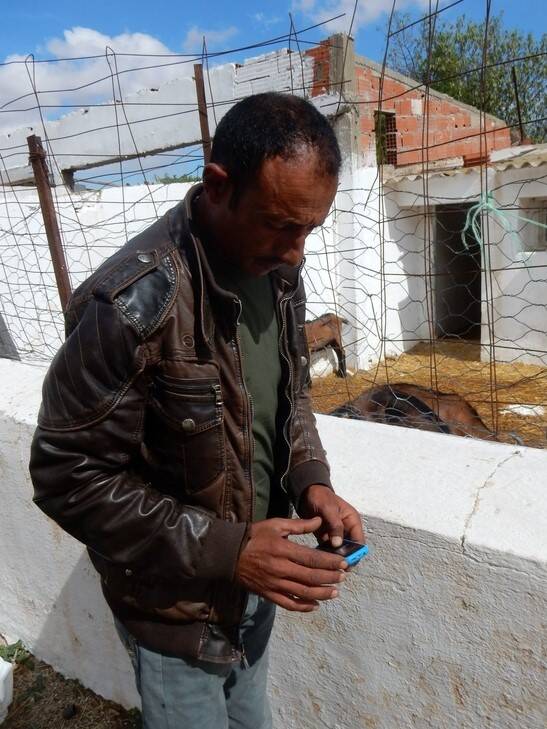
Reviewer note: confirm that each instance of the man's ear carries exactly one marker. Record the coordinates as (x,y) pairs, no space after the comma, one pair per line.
(216,183)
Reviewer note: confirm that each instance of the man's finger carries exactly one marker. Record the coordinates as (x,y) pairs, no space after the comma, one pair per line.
(297,526)
(312,577)
(305,592)
(314,559)
(291,603)
(315,578)
(333,524)
(356,534)
(353,527)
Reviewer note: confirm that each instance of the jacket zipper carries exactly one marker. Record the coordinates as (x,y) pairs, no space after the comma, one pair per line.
(218,397)
(249,403)
(288,394)
(288,389)
(236,343)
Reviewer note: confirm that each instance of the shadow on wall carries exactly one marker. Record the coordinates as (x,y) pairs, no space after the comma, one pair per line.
(79,639)
(8,350)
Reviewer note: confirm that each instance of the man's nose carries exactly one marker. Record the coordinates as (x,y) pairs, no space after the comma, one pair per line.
(294,253)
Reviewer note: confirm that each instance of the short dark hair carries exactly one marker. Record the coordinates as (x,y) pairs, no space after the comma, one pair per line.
(271,125)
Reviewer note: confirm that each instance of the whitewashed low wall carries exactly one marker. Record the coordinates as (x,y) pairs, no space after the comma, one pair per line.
(441,628)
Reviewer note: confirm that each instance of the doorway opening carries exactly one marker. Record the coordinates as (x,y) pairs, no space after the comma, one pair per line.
(457,268)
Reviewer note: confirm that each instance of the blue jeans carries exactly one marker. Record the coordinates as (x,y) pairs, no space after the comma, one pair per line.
(182,693)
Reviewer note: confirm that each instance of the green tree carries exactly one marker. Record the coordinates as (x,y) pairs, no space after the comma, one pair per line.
(170,179)
(473,64)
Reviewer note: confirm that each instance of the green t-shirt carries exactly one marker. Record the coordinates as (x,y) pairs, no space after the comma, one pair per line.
(258,334)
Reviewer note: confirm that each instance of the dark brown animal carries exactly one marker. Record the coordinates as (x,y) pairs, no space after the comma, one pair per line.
(326,331)
(412,406)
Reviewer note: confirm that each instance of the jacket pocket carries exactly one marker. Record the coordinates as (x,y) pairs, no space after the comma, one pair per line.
(185,429)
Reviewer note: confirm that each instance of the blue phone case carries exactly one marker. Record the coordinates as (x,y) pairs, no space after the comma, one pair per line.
(353,558)
(357,556)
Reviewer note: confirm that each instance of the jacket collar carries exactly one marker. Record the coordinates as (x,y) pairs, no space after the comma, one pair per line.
(180,226)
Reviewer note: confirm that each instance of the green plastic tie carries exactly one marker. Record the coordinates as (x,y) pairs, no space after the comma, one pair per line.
(487,205)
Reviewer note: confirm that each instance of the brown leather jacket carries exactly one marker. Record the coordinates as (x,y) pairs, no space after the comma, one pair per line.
(144,449)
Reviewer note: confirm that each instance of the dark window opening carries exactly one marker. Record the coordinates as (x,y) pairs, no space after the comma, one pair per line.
(385,129)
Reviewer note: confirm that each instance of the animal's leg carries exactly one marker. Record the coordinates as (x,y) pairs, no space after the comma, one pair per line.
(341,357)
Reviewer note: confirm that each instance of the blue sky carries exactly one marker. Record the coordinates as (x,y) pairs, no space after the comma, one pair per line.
(61,29)
(30,26)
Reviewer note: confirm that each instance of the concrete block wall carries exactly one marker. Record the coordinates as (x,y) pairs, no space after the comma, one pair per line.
(277,71)
(441,628)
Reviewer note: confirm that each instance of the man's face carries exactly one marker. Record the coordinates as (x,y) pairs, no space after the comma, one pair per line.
(269,223)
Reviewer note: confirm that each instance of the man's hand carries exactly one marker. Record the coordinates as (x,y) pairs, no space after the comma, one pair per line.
(291,575)
(338,518)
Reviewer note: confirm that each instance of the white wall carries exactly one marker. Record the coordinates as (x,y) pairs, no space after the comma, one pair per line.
(441,627)
(93,226)
(519,278)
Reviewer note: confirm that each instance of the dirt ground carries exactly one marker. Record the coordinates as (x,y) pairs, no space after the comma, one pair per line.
(495,389)
(43,699)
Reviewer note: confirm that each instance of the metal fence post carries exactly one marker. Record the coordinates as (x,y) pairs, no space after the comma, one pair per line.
(202,107)
(37,157)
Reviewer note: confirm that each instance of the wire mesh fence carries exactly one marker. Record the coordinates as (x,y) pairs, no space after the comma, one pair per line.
(430,303)
(433,261)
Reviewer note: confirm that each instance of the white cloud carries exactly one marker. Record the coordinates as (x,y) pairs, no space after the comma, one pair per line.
(88,81)
(367,11)
(193,41)
(86,41)
(265,20)
(304,6)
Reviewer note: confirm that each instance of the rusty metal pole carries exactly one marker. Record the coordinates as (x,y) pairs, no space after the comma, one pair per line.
(202,107)
(515,86)
(37,157)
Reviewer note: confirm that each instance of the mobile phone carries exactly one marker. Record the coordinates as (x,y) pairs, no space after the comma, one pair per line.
(352,552)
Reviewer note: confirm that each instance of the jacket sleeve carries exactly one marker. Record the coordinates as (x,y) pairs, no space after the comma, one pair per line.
(308,464)
(84,453)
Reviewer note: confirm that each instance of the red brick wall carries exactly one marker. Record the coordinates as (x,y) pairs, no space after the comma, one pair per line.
(321,69)
(444,129)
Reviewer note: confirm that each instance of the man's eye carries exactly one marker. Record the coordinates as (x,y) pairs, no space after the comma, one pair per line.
(276,225)
(290,227)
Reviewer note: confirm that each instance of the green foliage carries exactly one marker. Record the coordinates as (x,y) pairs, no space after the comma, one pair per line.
(16,653)
(472,63)
(170,179)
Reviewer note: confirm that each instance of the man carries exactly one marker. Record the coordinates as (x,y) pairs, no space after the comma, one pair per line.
(176,427)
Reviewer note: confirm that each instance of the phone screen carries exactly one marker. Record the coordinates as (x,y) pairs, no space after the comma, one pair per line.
(348,547)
